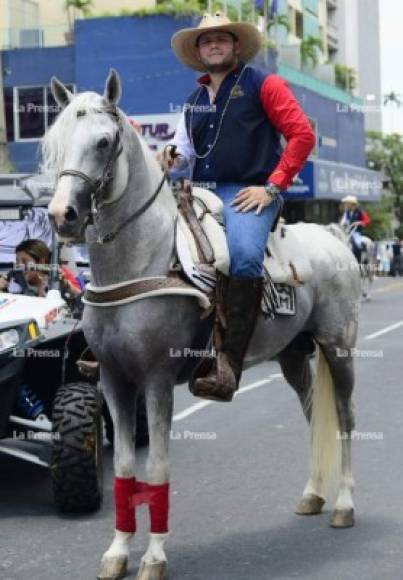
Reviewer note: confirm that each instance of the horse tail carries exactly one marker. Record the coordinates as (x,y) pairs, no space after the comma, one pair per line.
(325,460)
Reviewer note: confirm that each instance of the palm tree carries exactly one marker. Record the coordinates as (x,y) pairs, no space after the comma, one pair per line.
(393,98)
(309,50)
(82,5)
(278,20)
(346,77)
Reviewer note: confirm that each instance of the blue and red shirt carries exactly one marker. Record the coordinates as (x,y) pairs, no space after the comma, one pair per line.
(261,108)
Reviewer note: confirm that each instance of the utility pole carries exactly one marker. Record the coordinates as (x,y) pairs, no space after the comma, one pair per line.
(265,24)
(4,161)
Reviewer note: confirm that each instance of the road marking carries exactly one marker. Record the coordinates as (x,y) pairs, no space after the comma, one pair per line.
(384,330)
(202,404)
(389,287)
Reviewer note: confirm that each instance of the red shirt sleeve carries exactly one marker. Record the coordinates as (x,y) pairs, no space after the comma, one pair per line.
(70,277)
(286,115)
(365,219)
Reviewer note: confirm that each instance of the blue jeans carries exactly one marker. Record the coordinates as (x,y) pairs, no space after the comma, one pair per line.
(356,239)
(247,233)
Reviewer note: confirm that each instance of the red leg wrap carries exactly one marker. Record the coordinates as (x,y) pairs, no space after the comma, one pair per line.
(124,489)
(159,508)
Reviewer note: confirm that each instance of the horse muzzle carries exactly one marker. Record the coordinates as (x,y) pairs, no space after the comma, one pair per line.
(67,224)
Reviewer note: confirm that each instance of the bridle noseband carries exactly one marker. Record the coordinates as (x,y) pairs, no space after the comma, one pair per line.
(98,187)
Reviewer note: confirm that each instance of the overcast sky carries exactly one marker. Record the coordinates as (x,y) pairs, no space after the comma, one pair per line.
(391,26)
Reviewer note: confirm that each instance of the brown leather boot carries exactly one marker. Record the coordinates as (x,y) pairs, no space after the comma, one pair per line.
(242,303)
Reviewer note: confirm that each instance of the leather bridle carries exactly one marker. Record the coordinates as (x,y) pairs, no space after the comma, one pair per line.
(99,186)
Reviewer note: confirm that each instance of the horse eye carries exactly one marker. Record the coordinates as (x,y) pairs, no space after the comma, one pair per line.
(102,143)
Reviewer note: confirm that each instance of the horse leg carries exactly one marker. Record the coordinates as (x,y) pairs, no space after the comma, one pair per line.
(296,368)
(343,377)
(159,397)
(121,399)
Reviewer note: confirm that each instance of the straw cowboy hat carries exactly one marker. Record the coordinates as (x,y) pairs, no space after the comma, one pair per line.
(350,199)
(184,41)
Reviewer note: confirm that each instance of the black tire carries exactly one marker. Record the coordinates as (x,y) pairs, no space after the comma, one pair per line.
(76,464)
(142,435)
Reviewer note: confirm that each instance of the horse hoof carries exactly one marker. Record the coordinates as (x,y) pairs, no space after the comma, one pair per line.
(342,518)
(310,505)
(113,568)
(154,571)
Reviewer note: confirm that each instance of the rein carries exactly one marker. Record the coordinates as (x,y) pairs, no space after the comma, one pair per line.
(98,186)
(112,235)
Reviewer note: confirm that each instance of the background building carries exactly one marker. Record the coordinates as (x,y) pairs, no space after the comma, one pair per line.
(350,35)
(155,85)
(34,23)
(359,48)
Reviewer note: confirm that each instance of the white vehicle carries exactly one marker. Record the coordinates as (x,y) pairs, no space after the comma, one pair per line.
(50,414)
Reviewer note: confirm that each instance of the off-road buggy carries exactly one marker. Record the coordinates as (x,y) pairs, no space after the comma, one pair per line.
(50,414)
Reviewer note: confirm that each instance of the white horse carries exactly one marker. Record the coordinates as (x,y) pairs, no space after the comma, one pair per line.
(110,188)
(368,262)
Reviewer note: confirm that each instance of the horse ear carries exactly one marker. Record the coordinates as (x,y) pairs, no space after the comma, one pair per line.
(113,88)
(61,93)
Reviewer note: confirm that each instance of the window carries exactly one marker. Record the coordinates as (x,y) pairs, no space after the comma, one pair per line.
(29,112)
(314,125)
(296,22)
(9,108)
(299,24)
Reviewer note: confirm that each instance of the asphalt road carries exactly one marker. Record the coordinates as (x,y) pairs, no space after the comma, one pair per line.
(237,473)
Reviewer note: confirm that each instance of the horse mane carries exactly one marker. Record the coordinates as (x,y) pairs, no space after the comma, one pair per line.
(337,231)
(54,142)
(57,138)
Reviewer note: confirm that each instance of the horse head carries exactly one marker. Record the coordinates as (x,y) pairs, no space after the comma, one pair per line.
(84,152)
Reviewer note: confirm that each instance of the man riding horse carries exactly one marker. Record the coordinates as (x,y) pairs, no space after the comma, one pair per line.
(230,133)
(354,217)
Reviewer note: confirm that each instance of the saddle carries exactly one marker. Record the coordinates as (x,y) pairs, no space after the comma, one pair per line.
(202,249)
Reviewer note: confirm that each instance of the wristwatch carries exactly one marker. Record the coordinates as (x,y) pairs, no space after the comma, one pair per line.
(272,190)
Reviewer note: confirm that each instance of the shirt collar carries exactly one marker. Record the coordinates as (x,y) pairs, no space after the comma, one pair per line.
(205,79)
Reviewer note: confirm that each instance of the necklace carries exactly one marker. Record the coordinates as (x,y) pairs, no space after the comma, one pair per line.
(234,90)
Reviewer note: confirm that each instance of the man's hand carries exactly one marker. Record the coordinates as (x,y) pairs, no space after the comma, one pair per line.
(68,286)
(166,160)
(250,197)
(3,283)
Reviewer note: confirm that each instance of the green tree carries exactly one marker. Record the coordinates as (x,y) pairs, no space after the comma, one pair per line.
(346,78)
(380,215)
(399,232)
(279,20)
(392,98)
(71,5)
(385,153)
(309,49)
(82,5)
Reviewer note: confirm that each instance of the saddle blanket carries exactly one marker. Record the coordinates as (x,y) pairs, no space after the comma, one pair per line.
(284,266)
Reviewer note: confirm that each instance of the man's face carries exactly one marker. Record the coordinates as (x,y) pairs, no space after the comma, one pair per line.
(218,51)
